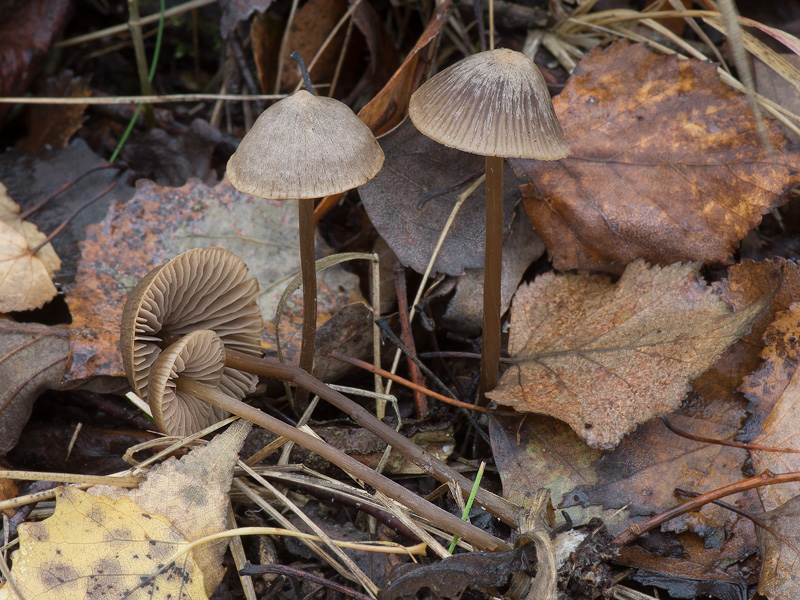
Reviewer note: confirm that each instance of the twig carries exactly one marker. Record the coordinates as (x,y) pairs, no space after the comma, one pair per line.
(420,401)
(66,186)
(251,570)
(760,480)
(697,438)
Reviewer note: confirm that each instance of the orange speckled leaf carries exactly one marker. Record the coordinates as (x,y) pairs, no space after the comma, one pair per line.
(161,222)
(666,165)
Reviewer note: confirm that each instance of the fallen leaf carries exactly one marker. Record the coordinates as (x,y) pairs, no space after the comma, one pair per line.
(684,175)
(387,109)
(607,357)
(236,11)
(451,576)
(159,223)
(773,391)
(27,35)
(747,282)
(96,547)
(52,126)
(465,310)
(174,157)
(312,24)
(33,358)
(780,556)
(416,165)
(192,495)
(25,279)
(34,177)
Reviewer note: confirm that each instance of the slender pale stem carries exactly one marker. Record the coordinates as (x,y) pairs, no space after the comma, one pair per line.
(432,466)
(348,463)
(492,271)
(308,267)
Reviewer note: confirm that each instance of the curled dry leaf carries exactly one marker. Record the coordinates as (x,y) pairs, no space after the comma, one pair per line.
(25,279)
(773,392)
(747,282)
(33,358)
(780,555)
(607,357)
(666,165)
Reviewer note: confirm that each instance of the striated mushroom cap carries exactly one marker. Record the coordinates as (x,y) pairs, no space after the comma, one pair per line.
(199,355)
(305,146)
(493,103)
(204,288)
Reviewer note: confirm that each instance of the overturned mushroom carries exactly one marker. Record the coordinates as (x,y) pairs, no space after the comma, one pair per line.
(184,378)
(160,311)
(495,104)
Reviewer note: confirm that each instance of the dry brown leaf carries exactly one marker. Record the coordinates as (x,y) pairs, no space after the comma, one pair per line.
(773,392)
(666,165)
(192,494)
(780,556)
(25,280)
(32,360)
(607,357)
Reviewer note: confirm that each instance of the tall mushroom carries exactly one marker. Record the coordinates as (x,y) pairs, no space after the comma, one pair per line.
(495,104)
(305,147)
(211,289)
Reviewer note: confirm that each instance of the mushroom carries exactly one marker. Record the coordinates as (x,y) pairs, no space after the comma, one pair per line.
(185,378)
(496,104)
(304,147)
(204,288)
(211,289)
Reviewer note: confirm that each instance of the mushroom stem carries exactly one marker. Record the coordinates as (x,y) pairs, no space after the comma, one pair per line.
(265,367)
(492,272)
(308,268)
(344,461)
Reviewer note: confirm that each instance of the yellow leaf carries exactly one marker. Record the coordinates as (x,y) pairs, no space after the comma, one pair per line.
(25,279)
(96,547)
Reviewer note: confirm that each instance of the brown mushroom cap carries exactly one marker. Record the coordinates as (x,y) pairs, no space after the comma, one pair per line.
(493,103)
(204,288)
(305,146)
(199,355)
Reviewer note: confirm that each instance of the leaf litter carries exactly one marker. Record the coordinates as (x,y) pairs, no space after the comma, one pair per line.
(627,194)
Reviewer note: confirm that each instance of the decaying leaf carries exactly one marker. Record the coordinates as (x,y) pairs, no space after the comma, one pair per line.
(25,279)
(96,547)
(415,166)
(32,360)
(607,357)
(159,223)
(773,391)
(747,282)
(666,164)
(780,556)
(450,577)
(192,495)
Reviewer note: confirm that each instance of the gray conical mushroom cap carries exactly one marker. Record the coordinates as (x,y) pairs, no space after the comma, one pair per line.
(199,355)
(204,288)
(305,146)
(493,103)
